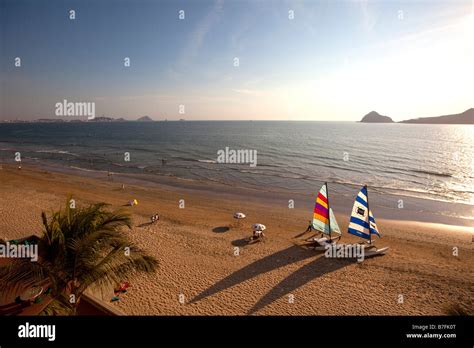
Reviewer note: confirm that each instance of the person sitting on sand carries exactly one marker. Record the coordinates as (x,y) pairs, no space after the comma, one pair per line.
(154,218)
(257,234)
(257,231)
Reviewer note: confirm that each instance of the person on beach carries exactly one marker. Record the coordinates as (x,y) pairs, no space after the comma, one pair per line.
(257,232)
(257,235)
(154,218)
(310,227)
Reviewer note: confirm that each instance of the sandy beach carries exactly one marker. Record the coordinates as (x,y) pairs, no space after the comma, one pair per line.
(200,274)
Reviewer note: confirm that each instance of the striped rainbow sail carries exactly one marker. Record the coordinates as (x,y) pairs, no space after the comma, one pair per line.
(359,225)
(323,216)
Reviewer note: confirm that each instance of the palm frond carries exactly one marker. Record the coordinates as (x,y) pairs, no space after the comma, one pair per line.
(79,248)
(60,306)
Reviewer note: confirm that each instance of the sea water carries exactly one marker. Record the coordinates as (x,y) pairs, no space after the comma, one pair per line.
(433,162)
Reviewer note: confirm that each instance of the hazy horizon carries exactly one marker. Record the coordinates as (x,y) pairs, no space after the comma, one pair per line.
(242,119)
(297,60)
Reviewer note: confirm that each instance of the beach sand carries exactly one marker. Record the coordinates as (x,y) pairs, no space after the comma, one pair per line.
(198,265)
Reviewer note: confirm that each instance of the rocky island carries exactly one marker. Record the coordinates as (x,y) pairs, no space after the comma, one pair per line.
(375,117)
(466,117)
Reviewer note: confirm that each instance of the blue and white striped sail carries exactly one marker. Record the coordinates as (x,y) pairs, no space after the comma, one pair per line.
(359,224)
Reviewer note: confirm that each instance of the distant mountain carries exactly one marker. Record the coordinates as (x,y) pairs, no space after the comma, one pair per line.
(102,119)
(375,117)
(466,117)
(145,119)
(49,120)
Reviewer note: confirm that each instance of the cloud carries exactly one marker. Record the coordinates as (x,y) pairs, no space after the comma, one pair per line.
(248,91)
(369,20)
(197,36)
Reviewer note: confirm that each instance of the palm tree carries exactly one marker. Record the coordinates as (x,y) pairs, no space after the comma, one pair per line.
(80,247)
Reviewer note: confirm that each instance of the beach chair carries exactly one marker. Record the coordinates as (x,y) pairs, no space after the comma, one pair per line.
(257,236)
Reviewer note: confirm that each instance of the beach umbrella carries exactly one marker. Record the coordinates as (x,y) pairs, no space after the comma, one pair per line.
(239,215)
(258,227)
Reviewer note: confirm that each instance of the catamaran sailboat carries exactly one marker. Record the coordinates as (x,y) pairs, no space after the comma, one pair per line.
(362,223)
(324,220)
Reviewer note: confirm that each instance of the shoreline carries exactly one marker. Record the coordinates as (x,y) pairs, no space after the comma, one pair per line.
(385,206)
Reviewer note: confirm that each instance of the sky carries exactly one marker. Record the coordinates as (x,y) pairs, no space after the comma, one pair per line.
(297,60)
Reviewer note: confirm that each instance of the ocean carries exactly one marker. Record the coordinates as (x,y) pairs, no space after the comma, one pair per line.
(430,162)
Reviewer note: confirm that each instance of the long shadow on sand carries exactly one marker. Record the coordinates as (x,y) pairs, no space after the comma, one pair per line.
(268,263)
(221,229)
(240,242)
(145,224)
(305,274)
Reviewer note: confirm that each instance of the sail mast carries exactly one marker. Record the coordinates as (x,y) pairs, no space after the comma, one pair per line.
(329,210)
(368,213)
